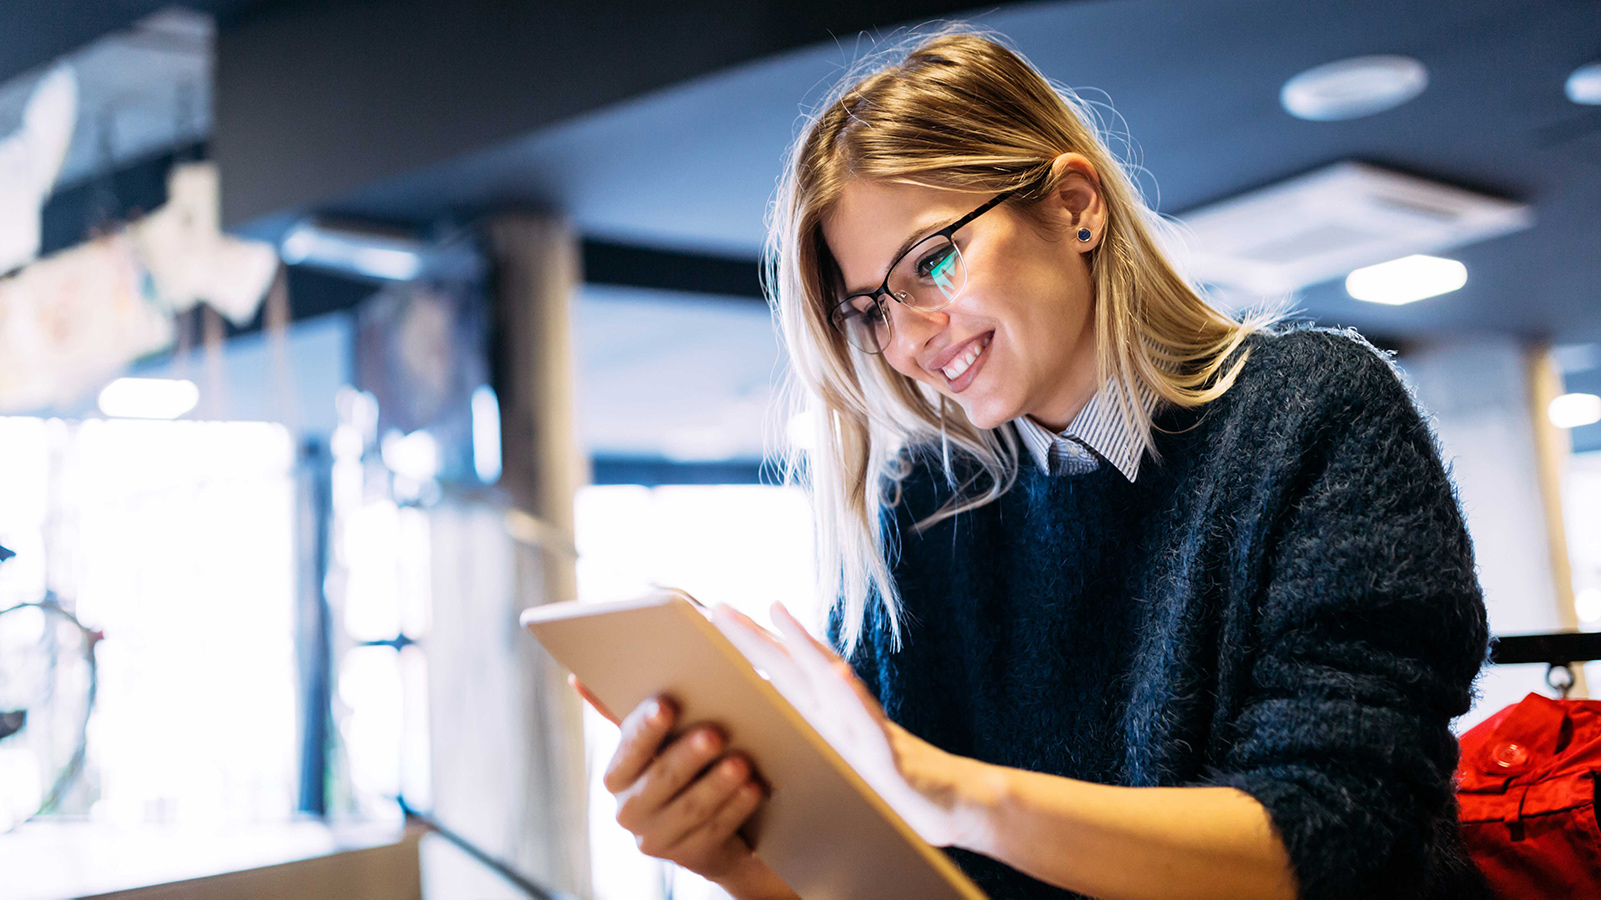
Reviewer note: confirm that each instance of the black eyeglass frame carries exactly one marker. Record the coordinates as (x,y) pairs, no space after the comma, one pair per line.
(883,289)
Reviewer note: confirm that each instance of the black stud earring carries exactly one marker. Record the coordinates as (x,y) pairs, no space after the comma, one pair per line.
(1084,234)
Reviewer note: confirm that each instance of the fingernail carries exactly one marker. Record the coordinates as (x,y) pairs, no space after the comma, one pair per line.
(653,709)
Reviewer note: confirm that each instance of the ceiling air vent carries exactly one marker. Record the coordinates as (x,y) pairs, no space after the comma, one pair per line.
(1323,224)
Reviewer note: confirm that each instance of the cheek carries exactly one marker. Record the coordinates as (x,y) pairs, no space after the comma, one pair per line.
(904,365)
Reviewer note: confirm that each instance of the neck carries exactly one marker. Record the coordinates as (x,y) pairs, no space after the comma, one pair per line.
(1075,389)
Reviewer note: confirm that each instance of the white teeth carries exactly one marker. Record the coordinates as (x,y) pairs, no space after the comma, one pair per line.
(955,369)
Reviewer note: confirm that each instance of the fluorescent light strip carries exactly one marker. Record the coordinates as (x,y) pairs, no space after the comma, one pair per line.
(372,255)
(148,398)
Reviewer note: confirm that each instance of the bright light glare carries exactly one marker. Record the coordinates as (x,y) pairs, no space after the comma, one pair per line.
(148,398)
(801,432)
(1588,605)
(1584,85)
(397,265)
(376,256)
(415,456)
(186,557)
(1574,410)
(486,434)
(1407,279)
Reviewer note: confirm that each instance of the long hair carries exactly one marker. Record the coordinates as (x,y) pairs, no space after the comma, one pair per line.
(957,110)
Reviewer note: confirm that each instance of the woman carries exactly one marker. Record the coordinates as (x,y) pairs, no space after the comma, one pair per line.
(1138,600)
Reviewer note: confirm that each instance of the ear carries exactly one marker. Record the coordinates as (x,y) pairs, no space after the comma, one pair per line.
(1079,199)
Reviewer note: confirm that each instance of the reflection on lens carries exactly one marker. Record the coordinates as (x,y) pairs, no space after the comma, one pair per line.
(931,275)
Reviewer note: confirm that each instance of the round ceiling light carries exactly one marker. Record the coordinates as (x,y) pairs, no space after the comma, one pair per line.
(1584,85)
(1352,88)
(1406,280)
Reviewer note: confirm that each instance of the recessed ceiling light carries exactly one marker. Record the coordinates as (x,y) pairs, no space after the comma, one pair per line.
(1584,85)
(1324,224)
(1406,279)
(1352,88)
(1574,410)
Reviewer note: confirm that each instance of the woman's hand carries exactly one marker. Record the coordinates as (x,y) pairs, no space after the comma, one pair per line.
(685,801)
(928,787)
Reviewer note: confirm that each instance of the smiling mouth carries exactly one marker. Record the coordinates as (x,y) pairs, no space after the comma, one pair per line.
(959,366)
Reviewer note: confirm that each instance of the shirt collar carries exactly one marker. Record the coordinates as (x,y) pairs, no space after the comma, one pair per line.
(1099,426)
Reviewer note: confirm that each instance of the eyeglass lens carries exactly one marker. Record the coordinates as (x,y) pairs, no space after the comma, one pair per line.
(928,277)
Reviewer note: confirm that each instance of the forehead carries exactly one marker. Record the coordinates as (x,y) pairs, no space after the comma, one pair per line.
(872,219)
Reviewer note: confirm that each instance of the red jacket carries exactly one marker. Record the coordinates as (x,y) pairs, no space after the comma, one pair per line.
(1526,784)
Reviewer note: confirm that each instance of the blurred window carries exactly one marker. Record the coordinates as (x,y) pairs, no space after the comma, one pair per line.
(744,544)
(175,539)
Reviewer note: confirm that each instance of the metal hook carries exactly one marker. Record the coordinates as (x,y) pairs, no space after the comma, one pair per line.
(1563,683)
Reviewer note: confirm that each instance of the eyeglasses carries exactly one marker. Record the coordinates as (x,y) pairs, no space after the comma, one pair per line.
(929,275)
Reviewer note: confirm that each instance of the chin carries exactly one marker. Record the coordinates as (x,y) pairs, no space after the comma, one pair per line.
(989,415)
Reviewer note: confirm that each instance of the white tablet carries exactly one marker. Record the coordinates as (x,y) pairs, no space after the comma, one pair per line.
(822,829)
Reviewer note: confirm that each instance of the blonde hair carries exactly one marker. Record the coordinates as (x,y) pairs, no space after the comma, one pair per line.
(957,110)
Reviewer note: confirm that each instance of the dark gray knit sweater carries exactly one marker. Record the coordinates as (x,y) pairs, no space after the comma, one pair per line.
(1284,603)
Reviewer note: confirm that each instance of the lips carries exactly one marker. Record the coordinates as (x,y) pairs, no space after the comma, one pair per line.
(962,366)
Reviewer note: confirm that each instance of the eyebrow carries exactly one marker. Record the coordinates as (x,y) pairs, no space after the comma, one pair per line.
(906,245)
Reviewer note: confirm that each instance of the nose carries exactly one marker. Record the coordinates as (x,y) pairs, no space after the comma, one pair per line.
(913,327)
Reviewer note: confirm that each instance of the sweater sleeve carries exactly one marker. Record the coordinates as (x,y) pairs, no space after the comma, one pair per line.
(1369,627)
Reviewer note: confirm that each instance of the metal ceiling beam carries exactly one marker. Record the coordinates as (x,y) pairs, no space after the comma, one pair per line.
(315,100)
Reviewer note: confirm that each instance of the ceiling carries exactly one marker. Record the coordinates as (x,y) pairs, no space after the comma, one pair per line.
(1191,92)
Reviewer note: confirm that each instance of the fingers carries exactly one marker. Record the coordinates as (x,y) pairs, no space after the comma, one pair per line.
(746,632)
(642,734)
(592,699)
(764,651)
(734,812)
(676,766)
(702,800)
(798,636)
(682,799)
(789,625)
(803,648)
(818,656)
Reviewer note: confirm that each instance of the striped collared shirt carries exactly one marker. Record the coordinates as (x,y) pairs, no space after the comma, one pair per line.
(1098,432)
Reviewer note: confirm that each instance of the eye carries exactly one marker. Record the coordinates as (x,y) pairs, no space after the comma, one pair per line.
(939,258)
(870,312)
(859,308)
